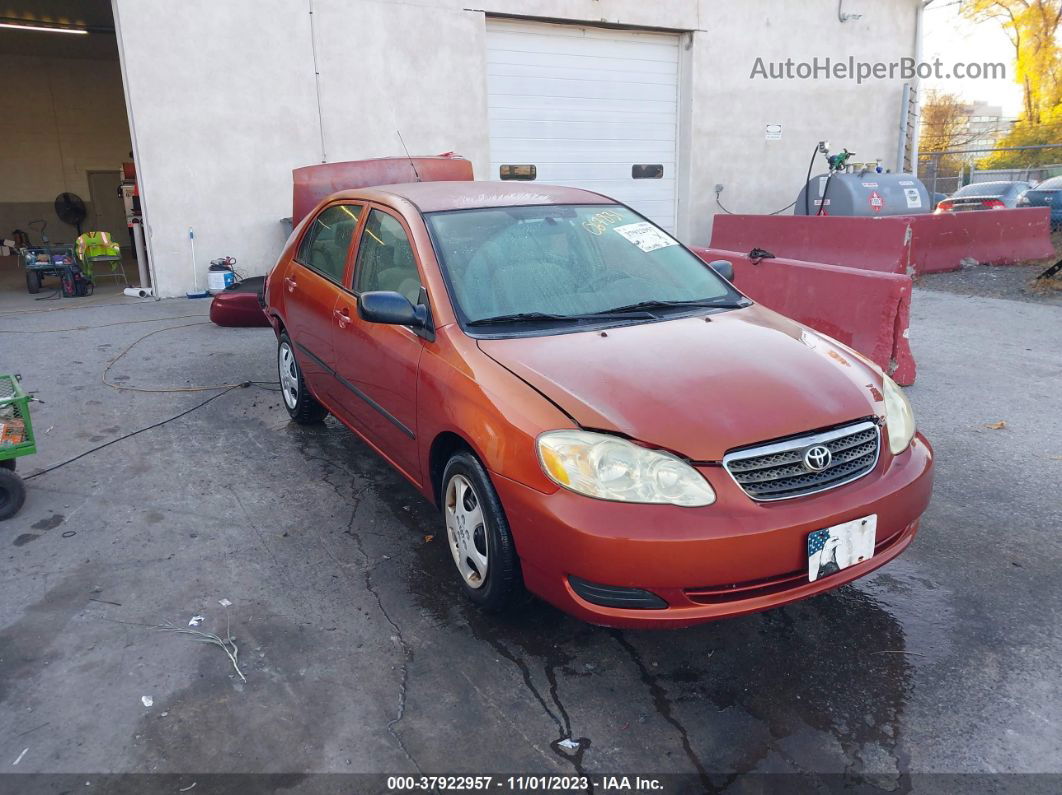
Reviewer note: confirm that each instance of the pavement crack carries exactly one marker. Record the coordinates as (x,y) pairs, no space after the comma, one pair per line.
(529,683)
(276,561)
(397,636)
(559,715)
(663,708)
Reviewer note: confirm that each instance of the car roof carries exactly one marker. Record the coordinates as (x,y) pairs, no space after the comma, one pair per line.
(435,196)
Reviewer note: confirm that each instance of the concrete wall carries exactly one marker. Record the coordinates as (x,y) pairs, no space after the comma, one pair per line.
(63,118)
(224,104)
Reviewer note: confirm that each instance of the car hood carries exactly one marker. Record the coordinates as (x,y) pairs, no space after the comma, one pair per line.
(697,388)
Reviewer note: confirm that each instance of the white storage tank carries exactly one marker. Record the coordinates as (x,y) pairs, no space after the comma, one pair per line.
(863,193)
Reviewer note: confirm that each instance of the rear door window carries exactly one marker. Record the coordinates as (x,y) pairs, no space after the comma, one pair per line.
(326,243)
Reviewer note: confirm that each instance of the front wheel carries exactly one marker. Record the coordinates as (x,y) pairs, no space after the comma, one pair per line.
(12,494)
(33,282)
(8,463)
(478,535)
(301,405)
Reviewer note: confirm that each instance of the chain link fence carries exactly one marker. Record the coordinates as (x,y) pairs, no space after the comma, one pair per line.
(946,171)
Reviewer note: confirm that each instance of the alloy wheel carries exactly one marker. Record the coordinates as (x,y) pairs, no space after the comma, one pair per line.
(466,531)
(289,375)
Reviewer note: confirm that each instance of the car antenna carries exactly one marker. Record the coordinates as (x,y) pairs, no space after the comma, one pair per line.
(411,163)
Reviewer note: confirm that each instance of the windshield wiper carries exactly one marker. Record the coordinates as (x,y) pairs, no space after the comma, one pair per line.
(521,317)
(714,303)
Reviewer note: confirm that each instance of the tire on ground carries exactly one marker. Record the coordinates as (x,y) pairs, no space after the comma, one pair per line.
(302,407)
(12,494)
(503,586)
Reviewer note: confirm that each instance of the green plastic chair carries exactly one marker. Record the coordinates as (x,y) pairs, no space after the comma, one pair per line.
(97,248)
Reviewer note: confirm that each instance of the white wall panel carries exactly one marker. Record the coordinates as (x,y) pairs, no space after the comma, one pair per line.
(584,105)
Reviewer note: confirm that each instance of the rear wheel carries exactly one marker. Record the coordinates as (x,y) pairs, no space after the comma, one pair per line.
(12,494)
(33,282)
(301,405)
(8,464)
(478,535)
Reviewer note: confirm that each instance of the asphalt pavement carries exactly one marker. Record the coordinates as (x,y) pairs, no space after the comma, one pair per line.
(358,654)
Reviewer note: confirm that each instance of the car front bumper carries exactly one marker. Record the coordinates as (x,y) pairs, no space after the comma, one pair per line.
(734,557)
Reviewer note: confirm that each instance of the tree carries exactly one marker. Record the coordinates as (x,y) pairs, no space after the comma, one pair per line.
(1032,26)
(944,126)
(1025,133)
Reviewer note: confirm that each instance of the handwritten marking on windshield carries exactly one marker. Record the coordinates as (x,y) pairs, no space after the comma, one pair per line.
(599,222)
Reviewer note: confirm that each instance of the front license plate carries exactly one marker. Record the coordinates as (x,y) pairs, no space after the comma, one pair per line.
(834,548)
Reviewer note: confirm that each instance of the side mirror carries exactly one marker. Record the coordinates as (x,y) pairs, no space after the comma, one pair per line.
(724,268)
(385,306)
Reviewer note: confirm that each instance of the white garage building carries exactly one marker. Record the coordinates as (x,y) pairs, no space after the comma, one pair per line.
(654,103)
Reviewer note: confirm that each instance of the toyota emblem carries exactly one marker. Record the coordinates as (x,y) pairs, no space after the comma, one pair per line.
(817,458)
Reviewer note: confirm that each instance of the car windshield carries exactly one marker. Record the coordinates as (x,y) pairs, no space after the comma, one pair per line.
(558,263)
(1050,184)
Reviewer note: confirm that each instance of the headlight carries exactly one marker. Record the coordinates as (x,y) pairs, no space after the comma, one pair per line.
(611,468)
(899,418)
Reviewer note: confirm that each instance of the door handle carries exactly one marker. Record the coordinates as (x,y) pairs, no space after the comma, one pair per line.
(342,316)
(290,282)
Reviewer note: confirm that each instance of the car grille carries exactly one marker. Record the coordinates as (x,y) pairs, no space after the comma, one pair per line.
(776,470)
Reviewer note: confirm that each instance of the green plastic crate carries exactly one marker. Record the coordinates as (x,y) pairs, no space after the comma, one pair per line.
(15,420)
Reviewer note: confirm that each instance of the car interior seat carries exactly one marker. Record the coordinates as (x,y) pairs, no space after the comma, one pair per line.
(503,278)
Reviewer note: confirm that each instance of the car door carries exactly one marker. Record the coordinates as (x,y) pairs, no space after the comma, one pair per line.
(377,364)
(312,285)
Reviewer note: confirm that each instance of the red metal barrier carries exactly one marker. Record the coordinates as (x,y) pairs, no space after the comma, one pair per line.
(313,183)
(942,242)
(927,243)
(867,311)
(875,244)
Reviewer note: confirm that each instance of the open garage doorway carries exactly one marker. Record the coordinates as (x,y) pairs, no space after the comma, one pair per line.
(66,167)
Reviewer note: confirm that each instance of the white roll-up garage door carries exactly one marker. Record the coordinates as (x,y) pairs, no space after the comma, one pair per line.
(593,108)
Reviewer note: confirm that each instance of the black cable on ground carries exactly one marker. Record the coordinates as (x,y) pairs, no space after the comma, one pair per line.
(167,389)
(100,325)
(141,430)
(80,304)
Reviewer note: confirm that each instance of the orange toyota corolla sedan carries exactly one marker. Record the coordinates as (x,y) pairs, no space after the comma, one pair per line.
(601,417)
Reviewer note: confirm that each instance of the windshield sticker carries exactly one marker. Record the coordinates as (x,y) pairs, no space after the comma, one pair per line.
(597,224)
(646,236)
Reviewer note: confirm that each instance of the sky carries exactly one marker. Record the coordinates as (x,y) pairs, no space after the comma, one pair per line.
(954,39)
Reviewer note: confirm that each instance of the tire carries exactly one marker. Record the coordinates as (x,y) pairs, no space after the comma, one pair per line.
(301,405)
(478,535)
(8,464)
(12,494)
(33,282)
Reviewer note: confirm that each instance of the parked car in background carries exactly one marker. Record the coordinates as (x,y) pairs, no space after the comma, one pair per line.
(600,416)
(983,196)
(1047,194)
